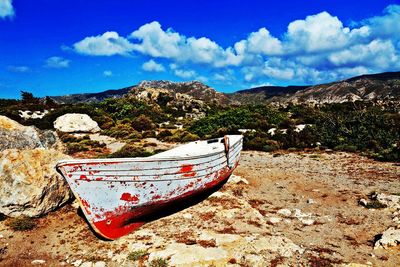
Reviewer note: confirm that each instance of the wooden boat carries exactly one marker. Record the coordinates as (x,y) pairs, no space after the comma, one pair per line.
(115,193)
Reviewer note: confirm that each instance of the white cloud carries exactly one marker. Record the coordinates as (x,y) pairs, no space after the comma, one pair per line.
(185,74)
(315,49)
(107,73)
(366,55)
(260,42)
(152,66)
(107,44)
(20,69)
(57,63)
(6,9)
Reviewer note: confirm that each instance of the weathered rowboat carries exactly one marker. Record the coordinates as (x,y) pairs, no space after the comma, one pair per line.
(115,194)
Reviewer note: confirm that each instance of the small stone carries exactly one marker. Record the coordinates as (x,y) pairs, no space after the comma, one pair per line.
(87,264)
(77,263)
(307,221)
(100,264)
(38,262)
(310,201)
(274,220)
(187,216)
(236,179)
(284,212)
(1,236)
(363,202)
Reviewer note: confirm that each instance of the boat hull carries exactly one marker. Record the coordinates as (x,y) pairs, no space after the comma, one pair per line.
(117,194)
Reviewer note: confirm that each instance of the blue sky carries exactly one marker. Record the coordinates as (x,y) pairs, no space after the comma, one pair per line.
(60,47)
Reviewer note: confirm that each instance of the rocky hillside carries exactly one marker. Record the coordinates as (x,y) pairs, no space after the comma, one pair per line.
(383,86)
(195,89)
(90,97)
(263,93)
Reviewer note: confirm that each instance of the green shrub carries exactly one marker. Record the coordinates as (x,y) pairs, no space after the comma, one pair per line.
(137,255)
(73,148)
(158,262)
(130,151)
(142,123)
(120,131)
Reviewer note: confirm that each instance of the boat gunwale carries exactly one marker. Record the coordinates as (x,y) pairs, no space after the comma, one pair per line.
(68,162)
(118,179)
(235,151)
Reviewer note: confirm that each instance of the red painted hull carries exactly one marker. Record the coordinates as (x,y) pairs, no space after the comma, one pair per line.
(117,225)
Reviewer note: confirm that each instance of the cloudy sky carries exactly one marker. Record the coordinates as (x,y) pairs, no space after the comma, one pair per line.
(59,47)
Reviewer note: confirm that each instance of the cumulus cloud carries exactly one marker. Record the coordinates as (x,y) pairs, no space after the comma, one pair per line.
(107,73)
(6,9)
(20,69)
(185,74)
(57,63)
(152,66)
(315,49)
(107,44)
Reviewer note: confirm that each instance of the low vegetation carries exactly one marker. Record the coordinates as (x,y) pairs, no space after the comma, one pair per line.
(158,262)
(369,128)
(22,223)
(137,255)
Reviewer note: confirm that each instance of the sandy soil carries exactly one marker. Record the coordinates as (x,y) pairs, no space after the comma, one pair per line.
(299,209)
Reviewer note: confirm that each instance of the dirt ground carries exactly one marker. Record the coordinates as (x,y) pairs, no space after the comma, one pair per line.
(298,209)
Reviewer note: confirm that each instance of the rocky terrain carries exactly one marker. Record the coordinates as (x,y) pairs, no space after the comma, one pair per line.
(283,209)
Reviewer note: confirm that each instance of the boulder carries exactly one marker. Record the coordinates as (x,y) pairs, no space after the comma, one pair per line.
(390,238)
(29,183)
(76,123)
(16,136)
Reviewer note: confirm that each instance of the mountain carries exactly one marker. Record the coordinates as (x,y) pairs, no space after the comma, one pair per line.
(90,97)
(382,86)
(194,89)
(263,94)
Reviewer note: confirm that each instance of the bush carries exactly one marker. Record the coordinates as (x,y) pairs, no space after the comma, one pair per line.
(130,151)
(73,148)
(182,136)
(142,123)
(137,255)
(21,223)
(120,131)
(158,262)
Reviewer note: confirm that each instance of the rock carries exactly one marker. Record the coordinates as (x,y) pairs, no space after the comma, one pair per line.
(363,202)
(284,212)
(282,245)
(29,183)
(274,220)
(310,201)
(77,263)
(16,136)
(390,238)
(38,262)
(86,264)
(307,221)
(190,255)
(99,264)
(391,201)
(235,179)
(74,123)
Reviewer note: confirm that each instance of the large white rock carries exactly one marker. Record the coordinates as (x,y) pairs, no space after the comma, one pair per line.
(29,183)
(390,238)
(15,135)
(75,123)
